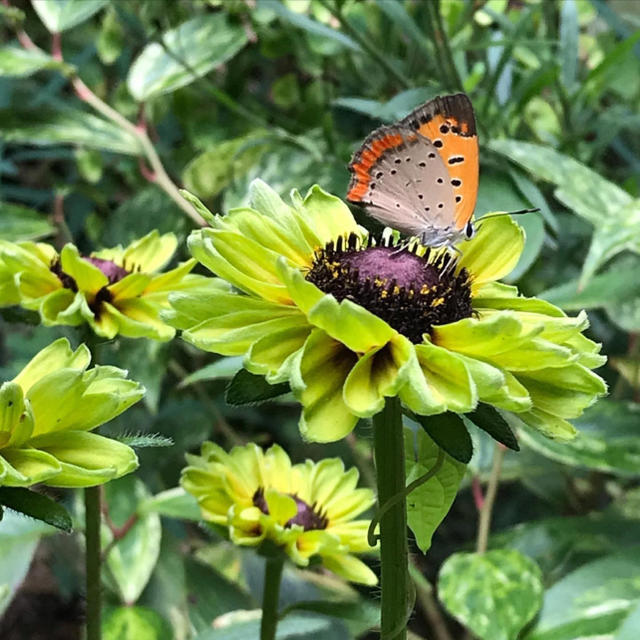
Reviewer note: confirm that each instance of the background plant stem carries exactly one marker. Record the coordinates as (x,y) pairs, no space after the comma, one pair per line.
(92,561)
(271,593)
(394,553)
(484,524)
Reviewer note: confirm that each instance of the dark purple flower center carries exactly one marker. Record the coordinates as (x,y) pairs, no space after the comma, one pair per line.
(411,293)
(307,517)
(111,270)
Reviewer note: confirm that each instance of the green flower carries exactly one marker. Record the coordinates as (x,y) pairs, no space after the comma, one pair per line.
(349,319)
(46,413)
(307,509)
(116,291)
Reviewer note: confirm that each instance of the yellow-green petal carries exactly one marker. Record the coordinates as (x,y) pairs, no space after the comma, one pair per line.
(324,365)
(87,459)
(350,568)
(494,251)
(57,355)
(379,373)
(87,277)
(151,252)
(36,466)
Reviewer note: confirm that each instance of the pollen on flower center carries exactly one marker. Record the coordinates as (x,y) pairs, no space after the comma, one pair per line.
(412,293)
(308,517)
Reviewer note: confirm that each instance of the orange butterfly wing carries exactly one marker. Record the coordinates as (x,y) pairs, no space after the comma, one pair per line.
(450,124)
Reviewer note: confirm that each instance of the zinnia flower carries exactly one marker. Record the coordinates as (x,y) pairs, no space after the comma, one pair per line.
(306,509)
(348,318)
(46,413)
(116,291)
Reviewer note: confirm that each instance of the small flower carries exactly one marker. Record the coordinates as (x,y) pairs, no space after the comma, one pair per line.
(307,509)
(46,413)
(348,318)
(116,291)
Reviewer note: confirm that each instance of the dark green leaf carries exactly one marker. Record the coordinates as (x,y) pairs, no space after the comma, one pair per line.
(35,505)
(20,223)
(568,42)
(69,126)
(592,600)
(488,419)
(309,25)
(608,440)
(248,388)
(364,615)
(448,431)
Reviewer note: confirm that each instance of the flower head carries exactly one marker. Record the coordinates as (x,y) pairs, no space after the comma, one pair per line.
(47,412)
(116,291)
(348,318)
(307,509)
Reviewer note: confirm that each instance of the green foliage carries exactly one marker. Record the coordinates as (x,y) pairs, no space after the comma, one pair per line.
(218,93)
(495,593)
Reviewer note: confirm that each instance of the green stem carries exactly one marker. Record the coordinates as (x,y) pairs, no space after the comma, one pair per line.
(394,553)
(92,560)
(270,596)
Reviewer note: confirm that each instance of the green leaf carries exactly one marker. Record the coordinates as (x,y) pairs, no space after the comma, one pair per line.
(567,541)
(612,211)
(146,361)
(291,628)
(60,15)
(485,417)
(20,62)
(448,431)
(187,53)
(607,440)
(248,388)
(222,369)
(35,505)
(68,126)
(111,40)
(20,223)
(591,601)
(429,503)
(568,43)
(133,557)
(210,172)
(19,537)
(495,594)
(615,285)
(360,615)
(309,25)
(135,623)
(628,630)
(173,503)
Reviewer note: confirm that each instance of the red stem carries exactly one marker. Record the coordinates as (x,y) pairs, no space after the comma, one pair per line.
(476,490)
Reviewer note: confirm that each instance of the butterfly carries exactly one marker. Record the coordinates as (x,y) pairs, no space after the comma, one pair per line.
(420,175)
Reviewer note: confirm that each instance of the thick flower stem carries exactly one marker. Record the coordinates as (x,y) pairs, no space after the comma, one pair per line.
(271,594)
(389,457)
(92,561)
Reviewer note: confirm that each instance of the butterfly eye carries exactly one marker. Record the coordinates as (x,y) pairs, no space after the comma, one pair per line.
(469,230)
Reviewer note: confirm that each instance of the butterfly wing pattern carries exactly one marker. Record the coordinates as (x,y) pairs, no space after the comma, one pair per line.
(420,175)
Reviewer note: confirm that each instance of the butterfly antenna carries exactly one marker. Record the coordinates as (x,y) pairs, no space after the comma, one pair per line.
(520,212)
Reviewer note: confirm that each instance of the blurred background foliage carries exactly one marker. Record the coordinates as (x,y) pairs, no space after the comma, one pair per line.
(230,90)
